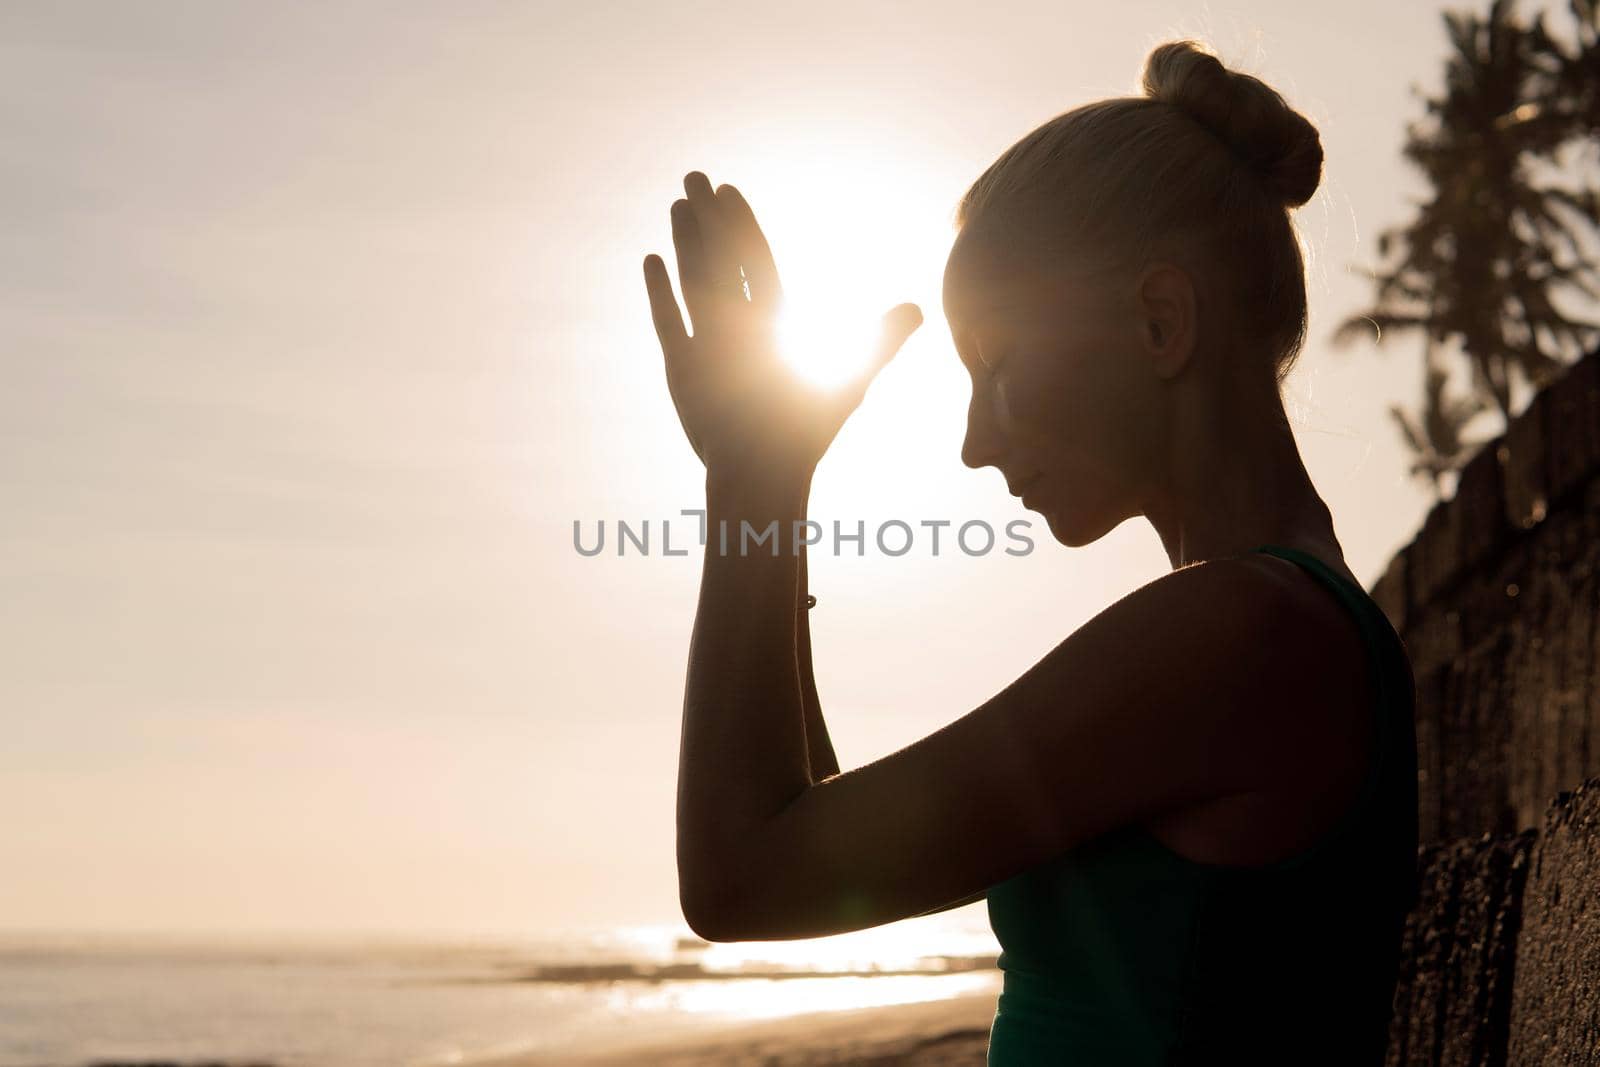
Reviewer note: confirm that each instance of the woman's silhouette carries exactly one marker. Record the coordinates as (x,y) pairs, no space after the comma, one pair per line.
(1194,820)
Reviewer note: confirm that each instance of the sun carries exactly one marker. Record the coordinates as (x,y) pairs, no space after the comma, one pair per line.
(859,221)
(826,341)
(852,236)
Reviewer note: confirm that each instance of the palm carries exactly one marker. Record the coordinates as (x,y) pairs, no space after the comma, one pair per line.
(740,404)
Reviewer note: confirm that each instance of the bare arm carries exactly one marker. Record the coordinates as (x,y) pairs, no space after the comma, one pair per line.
(1086,740)
(953,905)
(743,755)
(824,764)
(819,747)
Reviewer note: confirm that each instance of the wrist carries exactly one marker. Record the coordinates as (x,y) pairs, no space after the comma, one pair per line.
(730,482)
(767,508)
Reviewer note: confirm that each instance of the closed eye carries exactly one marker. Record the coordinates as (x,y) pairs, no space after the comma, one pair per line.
(992,363)
(984,362)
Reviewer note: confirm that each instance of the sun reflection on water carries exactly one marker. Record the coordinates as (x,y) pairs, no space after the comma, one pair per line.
(766,998)
(894,947)
(947,954)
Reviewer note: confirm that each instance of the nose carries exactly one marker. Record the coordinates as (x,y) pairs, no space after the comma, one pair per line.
(984,444)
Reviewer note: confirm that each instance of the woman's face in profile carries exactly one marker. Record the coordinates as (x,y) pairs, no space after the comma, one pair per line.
(1058,404)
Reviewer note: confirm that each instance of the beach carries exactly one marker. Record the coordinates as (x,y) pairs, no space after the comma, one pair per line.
(939,1033)
(909,992)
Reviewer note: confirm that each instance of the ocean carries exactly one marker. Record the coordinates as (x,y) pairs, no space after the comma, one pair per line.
(75,999)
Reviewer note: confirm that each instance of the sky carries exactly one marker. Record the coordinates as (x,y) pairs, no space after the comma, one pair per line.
(321,326)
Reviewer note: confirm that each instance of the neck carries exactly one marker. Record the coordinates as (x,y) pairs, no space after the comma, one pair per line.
(1233,483)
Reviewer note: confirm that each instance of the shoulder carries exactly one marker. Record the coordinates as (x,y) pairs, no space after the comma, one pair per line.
(1217,678)
(1312,655)
(1257,646)
(1263,588)
(1318,620)
(1241,607)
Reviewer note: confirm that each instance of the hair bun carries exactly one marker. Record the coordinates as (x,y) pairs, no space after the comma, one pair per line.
(1269,136)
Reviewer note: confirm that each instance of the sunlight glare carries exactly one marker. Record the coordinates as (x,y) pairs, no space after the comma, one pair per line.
(859,222)
(763,998)
(827,344)
(853,236)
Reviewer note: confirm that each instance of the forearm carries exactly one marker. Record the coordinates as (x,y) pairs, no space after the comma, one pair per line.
(743,748)
(819,746)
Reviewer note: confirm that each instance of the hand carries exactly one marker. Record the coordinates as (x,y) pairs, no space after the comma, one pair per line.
(743,408)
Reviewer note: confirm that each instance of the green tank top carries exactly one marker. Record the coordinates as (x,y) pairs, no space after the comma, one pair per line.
(1123,952)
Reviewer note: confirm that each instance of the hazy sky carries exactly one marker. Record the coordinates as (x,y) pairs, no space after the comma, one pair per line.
(320,326)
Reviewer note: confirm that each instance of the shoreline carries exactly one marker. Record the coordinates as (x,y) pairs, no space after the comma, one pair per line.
(952,1032)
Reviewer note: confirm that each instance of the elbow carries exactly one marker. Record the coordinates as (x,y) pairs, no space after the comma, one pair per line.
(723,896)
(714,904)
(709,917)
(705,931)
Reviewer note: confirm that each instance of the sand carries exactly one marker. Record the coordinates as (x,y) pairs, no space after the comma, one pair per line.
(945,1033)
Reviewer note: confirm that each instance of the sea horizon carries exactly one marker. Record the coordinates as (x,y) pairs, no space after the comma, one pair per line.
(364,998)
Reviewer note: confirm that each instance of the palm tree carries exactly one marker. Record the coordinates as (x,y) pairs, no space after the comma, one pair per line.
(1480,263)
(1435,439)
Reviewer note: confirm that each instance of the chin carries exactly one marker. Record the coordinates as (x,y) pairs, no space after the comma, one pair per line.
(1076,531)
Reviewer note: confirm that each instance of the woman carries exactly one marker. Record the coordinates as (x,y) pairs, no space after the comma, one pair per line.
(1194,820)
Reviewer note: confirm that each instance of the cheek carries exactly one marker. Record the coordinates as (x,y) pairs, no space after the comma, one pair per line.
(1034,400)
(1061,407)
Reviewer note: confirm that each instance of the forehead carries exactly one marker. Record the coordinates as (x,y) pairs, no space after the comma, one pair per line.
(977,276)
(981,280)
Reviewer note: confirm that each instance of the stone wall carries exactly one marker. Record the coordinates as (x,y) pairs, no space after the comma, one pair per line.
(1453,1001)
(1498,601)
(1555,1001)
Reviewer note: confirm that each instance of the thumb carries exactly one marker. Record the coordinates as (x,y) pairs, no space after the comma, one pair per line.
(900,323)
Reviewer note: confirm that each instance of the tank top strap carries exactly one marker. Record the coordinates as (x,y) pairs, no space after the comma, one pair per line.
(1374,624)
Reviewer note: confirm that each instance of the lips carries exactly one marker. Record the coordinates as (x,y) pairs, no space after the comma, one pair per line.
(1021,487)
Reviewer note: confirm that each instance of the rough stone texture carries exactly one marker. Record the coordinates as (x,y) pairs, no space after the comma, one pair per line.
(1555,1011)
(1508,705)
(1522,462)
(1573,429)
(1552,700)
(1473,746)
(1498,603)
(1430,751)
(1453,997)
(1434,557)
(1481,516)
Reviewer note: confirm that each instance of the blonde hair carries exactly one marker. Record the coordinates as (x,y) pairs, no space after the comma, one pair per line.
(1206,165)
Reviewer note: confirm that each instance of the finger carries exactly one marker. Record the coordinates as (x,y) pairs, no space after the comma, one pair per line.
(692,278)
(675,347)
(664,311)
(898,325)
(755,254)
(721,256)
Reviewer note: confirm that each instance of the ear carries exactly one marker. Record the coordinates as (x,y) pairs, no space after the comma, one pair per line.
(1165,306)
